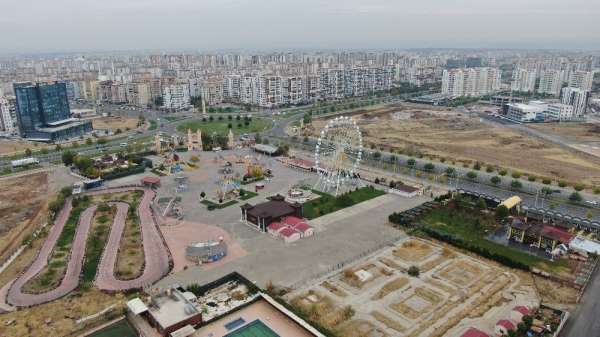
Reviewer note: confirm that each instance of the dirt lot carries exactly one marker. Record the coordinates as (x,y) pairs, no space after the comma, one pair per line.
(115,122)
(576,132)
(441,132)
(58,318)
(21,201)
(9,146)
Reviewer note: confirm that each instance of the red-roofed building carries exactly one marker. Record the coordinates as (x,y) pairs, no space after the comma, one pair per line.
(472,332)
(291,220)
(305,229)
(274,228)
(289,235)
(516,315)
(503,326)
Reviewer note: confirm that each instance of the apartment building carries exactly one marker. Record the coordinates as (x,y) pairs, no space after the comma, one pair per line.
(470,81)
(8,117)
(138,94)
(292,87)
(559,112)
(176,96)
(550,82)
(581,79)
(523,80)
(577,98)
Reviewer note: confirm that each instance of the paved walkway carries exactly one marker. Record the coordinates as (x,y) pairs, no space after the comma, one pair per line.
(157,262)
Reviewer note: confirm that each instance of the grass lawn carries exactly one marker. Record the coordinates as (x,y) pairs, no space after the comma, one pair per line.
(471,228)
(222,126)
(248,195)
(328,203)
(97,239)
(212,205)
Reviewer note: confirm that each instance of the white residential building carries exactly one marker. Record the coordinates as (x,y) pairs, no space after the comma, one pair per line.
(581,79)
(292,90)
(577,98)
(550,82)
(523,80)
(176,96)
(8,118)
(470,81)
(559,112)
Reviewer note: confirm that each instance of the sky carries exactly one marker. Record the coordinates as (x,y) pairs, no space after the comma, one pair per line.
(212,25)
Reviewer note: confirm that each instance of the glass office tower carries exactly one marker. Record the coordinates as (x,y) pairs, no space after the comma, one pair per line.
(43,112)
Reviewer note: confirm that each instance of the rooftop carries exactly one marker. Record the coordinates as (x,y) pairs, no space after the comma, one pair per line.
(170,310)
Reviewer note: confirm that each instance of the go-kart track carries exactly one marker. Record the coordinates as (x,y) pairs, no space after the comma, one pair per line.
(157,257)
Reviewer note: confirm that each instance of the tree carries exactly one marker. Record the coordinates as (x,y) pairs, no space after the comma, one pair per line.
(575,197)
(546,181)
(578,187)
(429,167)
(489,169)
(477,166)
(562,183)
(495,180)
(515,184)
(377,155)
(450,171)
(413,271)
(28,152)
(411,162)
(502,172)
(307,119)
(68,158)
(501,212)
(516,175)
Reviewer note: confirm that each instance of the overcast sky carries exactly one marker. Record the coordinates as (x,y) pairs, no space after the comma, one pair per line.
(207,25)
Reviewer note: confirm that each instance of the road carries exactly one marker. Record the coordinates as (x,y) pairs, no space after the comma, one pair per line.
(584,321)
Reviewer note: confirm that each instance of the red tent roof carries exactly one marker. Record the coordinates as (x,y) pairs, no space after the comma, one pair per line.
(508,325)
(522,309)
(302,227)
(472,332)
(287,232)
(291,220)
(275,226)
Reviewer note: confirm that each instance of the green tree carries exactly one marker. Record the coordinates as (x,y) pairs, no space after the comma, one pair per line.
(429,167)
(450,171)
(495,180)
(411,162)
(502,212)
(515,184)
(68,158)
(575,197)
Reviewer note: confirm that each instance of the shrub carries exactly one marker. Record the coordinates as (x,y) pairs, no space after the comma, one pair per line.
(562,183)
(472,175)
(575,197)
(516,175)
(477,166)
(495,180)
(429,167)
(515,184)
(502,172)
(489,169)
(578,187)
(413,271)
(546,181)
(410,162)
(531,178)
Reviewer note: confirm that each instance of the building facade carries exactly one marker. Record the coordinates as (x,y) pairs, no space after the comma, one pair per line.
(43,112)
(176,97)
(577,98)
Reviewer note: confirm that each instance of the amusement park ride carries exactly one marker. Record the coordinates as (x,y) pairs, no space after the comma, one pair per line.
(338,153)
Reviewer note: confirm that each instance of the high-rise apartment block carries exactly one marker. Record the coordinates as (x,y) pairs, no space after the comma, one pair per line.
(550,82)
(577,98)
(523,80)
(581,79)
(176,96)
(8,117)
(470,81)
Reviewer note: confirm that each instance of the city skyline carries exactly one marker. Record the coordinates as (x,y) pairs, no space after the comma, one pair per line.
(66,25)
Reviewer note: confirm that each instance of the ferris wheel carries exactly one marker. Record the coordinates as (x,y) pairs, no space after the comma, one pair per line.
(337,155)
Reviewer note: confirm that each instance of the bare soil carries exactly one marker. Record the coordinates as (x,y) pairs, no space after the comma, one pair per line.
(449,134)
(114,122)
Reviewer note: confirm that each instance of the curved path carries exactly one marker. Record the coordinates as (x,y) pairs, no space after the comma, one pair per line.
(157,257)
(156,254)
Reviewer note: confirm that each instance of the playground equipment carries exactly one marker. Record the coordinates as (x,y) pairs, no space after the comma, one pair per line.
(227,188)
